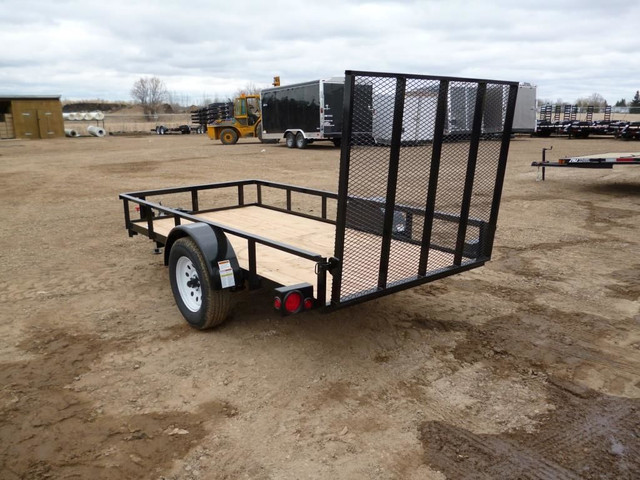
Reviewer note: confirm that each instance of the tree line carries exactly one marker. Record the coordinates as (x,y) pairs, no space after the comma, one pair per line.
(152,94)
(598,100)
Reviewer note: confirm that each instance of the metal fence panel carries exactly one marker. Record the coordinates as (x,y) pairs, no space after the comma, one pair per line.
(421,174)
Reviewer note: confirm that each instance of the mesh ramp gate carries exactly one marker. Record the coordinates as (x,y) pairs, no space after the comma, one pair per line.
(421,174)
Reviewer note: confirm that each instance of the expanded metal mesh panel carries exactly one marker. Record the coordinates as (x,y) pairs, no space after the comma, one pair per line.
(419,168)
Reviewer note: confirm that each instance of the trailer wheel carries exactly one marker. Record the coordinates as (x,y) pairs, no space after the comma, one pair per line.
(301,142)
(290,140)
(199,304)
(228,136)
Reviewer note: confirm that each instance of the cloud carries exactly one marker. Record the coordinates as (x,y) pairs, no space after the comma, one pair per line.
(202,48)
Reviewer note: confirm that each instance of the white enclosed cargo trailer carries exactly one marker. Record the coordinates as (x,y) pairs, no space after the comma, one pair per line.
(524,117)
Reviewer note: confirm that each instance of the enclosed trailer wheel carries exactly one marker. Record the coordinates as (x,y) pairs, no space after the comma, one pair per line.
(290,140)
(199,304)
(229,136)
(301,142)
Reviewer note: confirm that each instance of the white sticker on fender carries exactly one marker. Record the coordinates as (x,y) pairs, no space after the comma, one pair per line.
(226,274)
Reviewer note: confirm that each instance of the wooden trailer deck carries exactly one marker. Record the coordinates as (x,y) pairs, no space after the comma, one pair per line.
(299,232)
(276,265)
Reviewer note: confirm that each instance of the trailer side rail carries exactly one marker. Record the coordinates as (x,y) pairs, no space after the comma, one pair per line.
(150,211)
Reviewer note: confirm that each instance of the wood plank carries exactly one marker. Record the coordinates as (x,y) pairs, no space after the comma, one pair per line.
(275,265)
(362,253)
(282,227)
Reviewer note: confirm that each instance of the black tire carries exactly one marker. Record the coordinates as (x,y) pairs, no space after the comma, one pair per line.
(301,142)
(337,142)
(229,136)
(212,307)
(290,140)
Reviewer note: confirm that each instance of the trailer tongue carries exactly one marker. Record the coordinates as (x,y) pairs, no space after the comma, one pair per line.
(420,207)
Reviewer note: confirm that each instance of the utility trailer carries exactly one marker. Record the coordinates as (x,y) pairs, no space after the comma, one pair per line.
(200,118)
(630,131)
(303,113)
(404,215)
(598,160)
(181,129)
(574,128)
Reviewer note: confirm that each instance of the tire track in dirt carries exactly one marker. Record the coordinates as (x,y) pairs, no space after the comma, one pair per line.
(528,339)
(591,437)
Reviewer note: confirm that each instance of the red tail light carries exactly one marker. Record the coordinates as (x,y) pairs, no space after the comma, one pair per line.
(294,298)
(293,302)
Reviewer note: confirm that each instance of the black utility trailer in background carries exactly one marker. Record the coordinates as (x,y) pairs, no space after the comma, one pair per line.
(404,214)
(303,113)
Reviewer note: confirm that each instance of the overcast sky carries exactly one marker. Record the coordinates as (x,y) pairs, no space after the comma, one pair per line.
(203,49)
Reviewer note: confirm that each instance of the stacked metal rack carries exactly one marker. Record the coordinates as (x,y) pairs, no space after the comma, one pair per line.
(218,111)
(550,123)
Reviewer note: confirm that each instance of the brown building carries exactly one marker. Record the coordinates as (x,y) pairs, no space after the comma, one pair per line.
(31,116)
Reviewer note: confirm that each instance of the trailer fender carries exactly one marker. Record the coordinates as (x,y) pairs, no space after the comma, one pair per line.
(215,248)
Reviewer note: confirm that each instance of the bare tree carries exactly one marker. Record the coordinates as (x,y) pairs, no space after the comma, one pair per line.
(151,93)
(595,99)
(249,89)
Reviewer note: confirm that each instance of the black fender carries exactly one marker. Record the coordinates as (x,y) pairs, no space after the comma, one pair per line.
(213,244)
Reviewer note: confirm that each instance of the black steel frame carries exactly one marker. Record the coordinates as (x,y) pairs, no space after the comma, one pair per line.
(150,210)
(487,232)
(154,210)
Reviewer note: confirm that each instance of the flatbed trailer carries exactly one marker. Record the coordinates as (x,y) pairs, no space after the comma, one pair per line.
(181,129)
(404,215)
(598,160)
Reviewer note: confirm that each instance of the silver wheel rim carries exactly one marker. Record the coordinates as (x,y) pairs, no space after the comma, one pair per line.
(188,283)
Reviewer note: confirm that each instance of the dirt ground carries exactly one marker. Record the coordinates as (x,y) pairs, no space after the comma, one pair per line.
(526,368)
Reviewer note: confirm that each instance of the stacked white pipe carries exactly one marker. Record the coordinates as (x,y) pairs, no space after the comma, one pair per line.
(96,131)
(92,129)
(97,115)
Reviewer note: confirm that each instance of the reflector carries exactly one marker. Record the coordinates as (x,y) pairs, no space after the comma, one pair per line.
(293,301)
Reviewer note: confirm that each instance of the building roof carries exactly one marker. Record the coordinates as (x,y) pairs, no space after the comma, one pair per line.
(30,97)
